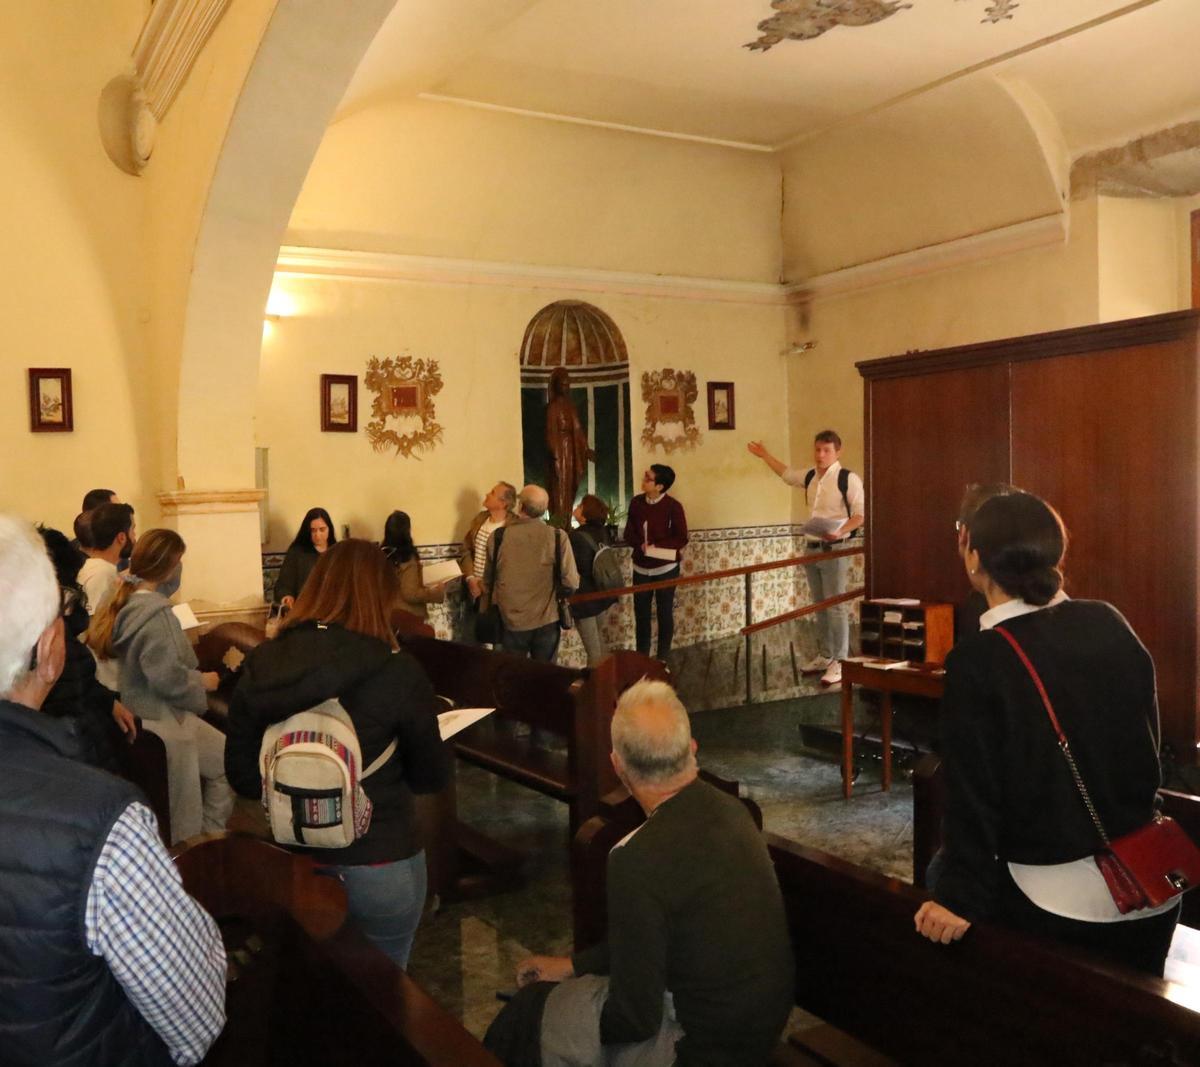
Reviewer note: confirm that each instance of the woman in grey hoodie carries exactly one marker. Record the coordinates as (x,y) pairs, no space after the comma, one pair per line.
(160,682)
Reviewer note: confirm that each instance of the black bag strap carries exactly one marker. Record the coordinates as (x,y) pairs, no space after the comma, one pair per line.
(557,561)
(843,486)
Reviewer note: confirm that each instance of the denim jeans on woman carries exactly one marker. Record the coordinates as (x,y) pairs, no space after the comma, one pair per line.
(386,902)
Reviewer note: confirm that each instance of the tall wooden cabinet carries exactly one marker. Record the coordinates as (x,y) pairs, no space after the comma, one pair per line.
(1102,421)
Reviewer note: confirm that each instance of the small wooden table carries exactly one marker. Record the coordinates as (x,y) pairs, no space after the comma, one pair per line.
(923,679)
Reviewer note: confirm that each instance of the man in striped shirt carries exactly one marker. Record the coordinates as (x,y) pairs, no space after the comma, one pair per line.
(104,958)
(497,511)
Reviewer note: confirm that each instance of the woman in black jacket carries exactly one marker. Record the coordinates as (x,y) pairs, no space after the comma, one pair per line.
(586,540)
(338,643)
(1018,836)
(312,539)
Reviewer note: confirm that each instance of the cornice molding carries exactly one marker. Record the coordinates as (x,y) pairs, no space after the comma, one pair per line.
(1019,237)
(209,501)
(302,261)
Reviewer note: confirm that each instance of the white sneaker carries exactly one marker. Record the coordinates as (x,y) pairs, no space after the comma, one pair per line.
(815,665)
(833,675)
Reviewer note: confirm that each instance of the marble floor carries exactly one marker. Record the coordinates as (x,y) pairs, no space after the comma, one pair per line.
(468,951)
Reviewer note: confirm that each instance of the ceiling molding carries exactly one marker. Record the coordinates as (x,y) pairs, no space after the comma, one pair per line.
(297,261)
(647,131)
(175,33)
(1019,237)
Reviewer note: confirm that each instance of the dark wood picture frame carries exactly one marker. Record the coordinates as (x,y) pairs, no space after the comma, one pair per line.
(44,416)
(720,420)
(333,418)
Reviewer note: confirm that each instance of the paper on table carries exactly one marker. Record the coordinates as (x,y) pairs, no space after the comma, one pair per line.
(451,722)
(654,552)
(185,615)
(901,602)
(444,571)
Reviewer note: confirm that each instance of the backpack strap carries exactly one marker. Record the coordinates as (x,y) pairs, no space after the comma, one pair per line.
(381,759)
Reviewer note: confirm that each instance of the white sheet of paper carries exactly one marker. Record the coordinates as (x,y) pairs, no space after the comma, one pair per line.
(654,552)
(903,602)
(443,571)
(185,615)
(820,527)
(451,722)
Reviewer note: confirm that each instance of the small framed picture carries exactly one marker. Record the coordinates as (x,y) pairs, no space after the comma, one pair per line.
(50,407)
(720,406)
(339,403)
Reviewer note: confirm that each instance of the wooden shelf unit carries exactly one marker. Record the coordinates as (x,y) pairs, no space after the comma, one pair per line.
(921,632)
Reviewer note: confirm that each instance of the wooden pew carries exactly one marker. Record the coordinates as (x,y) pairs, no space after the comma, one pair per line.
(575,706)
(885,994)
(306,987)
(144,763)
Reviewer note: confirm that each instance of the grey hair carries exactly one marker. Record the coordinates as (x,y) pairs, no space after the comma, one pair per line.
(508,494)
(534,501)
(655,756)
(30,595)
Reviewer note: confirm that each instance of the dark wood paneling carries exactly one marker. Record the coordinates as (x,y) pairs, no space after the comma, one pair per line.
(1173,326)
(928,438)
(1195,258)
(1110,440)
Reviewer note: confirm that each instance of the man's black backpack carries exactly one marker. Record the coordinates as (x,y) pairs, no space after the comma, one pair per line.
(843,488)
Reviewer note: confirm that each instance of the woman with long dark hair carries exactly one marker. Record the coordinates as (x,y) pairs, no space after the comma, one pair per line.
(160,681)
(399,548)
(311,541)
(338,643)
(1019,836)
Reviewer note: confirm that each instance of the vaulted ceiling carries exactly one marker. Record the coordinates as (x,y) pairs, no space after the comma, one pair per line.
(1107,69)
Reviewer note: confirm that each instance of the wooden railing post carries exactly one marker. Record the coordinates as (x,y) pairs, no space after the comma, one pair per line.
(749,621)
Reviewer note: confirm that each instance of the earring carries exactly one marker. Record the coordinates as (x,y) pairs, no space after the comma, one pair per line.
(974,570)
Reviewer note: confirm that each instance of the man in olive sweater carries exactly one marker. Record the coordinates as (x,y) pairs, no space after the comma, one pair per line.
(697,967)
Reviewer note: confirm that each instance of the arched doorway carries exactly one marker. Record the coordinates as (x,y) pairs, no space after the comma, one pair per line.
(585,340)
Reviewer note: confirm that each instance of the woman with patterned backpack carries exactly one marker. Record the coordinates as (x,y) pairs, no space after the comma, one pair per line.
(597,563)
(337,660)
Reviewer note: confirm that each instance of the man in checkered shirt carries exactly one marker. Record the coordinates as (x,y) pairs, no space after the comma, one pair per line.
(104,959)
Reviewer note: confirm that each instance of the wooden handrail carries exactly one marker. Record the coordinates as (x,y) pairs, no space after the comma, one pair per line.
(808,609)
(712,576)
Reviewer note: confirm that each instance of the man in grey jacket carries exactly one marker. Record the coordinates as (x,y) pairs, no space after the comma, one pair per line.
(523,559)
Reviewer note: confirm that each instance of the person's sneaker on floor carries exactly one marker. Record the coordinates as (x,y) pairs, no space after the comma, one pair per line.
(833,674)
(815,665)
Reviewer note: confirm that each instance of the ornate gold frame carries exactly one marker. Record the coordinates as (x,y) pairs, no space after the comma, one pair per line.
(385,378)
(669,395)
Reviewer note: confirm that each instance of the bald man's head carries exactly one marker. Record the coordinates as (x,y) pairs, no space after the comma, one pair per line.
(534,501)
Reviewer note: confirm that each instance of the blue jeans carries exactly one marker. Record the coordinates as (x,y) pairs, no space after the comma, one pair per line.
(825,579)
(664,603)
(386,902)
(540,643)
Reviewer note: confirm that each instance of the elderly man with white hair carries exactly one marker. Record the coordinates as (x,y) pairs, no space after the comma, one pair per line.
(104,959)
(529,563)
(697,967)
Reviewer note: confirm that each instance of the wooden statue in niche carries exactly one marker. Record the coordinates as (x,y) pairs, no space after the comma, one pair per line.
(567,445)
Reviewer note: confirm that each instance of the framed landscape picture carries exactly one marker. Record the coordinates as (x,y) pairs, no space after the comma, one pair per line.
(720,406)
(339,403)
(50,406)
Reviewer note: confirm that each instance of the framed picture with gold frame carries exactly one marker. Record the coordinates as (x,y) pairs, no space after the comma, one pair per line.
(51,408)
(339,403)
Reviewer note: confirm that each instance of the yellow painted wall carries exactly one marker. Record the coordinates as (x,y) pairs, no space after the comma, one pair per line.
(475,333)
(72,280)
(435,179)
(1139,257)
(1026,292)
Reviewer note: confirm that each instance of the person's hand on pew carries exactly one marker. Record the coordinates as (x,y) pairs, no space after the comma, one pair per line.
(940,924)
(126,720)
(544,969)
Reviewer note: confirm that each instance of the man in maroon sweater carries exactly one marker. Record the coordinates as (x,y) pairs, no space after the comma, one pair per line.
(657,532)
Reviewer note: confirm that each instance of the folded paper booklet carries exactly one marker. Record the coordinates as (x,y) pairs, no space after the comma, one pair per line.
(451,722)
(436,573)
(654,552)
(820,527)
(185,615)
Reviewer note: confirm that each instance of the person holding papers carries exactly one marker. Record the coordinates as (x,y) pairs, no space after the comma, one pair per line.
(338,643)
(398,546)
(657,532)
(160,683)
(835,497)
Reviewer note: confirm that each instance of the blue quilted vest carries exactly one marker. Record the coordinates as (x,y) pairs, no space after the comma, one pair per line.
(59,1004)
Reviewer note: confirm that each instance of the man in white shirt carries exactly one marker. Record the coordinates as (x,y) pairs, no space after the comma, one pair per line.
(835,498)
(112,535)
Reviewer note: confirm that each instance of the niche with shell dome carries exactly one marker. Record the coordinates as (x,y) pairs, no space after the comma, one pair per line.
(586,341)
